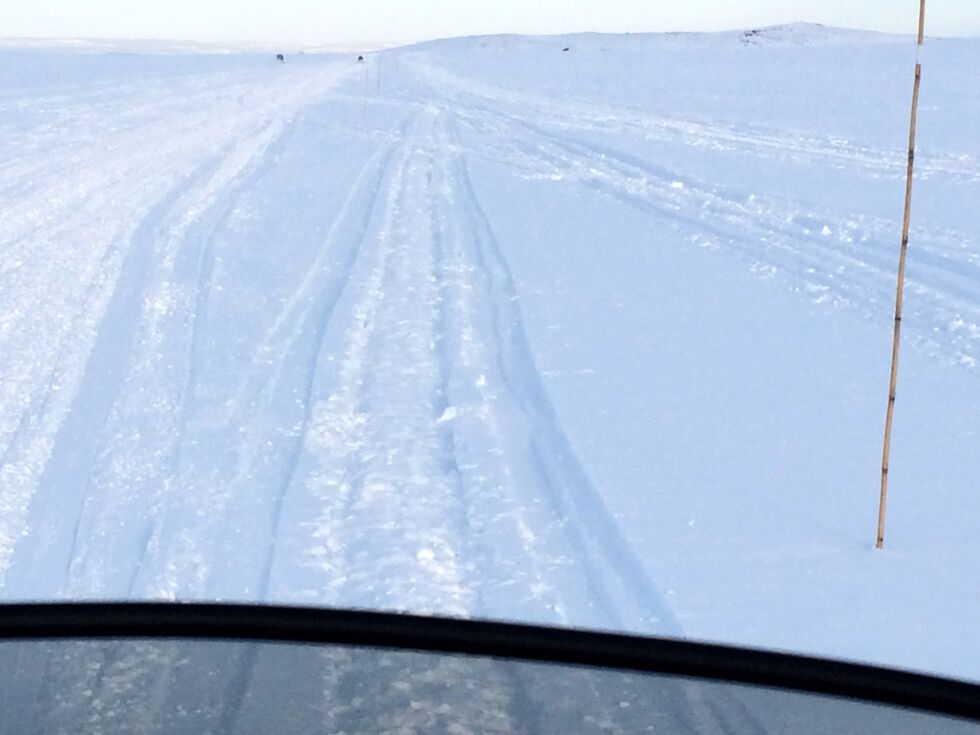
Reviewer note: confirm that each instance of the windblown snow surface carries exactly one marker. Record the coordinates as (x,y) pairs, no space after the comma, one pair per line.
(486,328)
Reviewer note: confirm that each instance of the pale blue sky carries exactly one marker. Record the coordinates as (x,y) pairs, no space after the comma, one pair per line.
(389,21)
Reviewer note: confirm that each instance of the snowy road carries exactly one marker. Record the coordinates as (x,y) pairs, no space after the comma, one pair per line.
(337,334)
(99,226)
(365,427)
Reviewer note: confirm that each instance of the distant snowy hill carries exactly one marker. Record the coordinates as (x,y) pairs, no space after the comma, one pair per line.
(585,330)
(812,34)
(791,34)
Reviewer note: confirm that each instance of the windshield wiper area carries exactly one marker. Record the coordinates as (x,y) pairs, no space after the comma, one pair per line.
(211,668)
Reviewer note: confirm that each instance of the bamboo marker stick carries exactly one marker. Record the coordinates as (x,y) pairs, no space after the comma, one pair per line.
(899,291)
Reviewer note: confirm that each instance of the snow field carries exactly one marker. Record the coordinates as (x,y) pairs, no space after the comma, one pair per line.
(483,329)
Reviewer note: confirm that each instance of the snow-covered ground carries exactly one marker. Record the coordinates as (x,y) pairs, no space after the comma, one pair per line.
(594,337)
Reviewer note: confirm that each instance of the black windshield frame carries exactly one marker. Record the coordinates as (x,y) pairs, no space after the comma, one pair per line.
(316,626)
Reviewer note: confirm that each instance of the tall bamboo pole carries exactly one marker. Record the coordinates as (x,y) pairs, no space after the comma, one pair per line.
(896,338)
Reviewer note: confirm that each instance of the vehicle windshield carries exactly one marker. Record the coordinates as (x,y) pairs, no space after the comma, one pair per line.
(574,314)
(232,687)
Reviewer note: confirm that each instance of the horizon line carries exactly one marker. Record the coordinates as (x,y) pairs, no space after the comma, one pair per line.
(375,45)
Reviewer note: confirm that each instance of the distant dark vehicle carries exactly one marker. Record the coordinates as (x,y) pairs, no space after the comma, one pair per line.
(280,58)
(165,668)
(360,59)
(566,49)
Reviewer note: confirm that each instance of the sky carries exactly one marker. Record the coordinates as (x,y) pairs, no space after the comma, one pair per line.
(400,21)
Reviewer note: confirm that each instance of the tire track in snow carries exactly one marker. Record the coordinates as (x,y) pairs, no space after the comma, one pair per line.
(576,115)
(536,562)
(387,523)
(849,263)
(291,345)
(518,572)
(126,465)
(434,476)
(111,150)
(36,439)
(618,588)
(76,446)
(193,266)
(32,443)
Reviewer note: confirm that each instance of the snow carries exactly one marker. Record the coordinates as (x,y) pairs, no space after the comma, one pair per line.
(482,328)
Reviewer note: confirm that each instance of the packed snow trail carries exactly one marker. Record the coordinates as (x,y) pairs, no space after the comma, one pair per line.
(74,236)
(378,438)
(459,437)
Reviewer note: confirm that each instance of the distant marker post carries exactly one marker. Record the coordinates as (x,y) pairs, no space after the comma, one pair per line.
(899,291)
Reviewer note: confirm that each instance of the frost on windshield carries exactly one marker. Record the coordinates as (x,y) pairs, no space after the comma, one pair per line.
(237,688)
